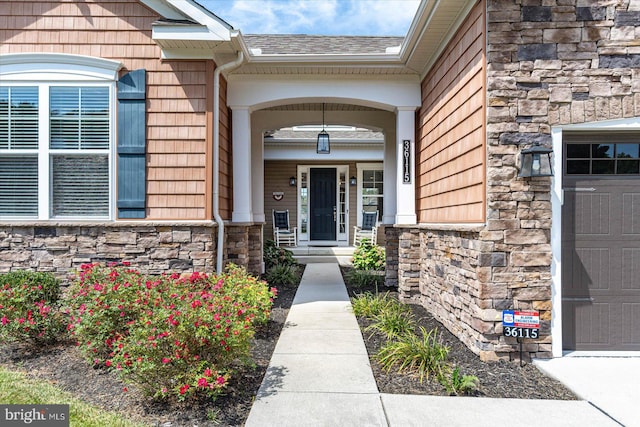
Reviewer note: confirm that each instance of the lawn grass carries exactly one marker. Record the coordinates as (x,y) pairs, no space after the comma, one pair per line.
(17,388)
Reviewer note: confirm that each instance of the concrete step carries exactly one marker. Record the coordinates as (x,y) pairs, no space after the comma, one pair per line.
(323,254)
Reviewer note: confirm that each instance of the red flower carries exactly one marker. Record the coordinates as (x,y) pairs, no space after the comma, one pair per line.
(220,381)
(207,372)
(184,389)
(108,363)
(166,360)
(4,320)
(202,382)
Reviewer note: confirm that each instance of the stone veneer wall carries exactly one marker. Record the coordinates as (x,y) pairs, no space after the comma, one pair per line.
(152,248)
(549,63)
(465,283)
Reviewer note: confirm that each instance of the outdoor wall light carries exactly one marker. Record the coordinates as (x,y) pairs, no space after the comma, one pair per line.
(323,146)
(535,161)
(352,181)
(293,181)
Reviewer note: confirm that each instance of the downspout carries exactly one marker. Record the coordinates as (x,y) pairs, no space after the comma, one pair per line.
(216,155)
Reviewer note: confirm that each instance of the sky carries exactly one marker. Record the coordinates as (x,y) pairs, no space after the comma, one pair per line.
(317,17)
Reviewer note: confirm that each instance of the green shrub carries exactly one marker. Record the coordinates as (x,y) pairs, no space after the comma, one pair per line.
(169,335)
(365,278)
(29,307)
(422,355)
(459,384)
(370,305)
(395,320)
(368,256)
(274,255)
(285,275)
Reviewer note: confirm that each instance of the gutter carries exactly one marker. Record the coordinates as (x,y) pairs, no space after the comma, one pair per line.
(216,155)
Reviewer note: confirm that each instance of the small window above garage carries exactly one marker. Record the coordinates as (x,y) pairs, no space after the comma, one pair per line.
(610,154)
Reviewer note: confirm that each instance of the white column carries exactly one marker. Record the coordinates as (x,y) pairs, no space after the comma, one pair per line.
(405,166)
(390,176)
(241,129)
(257,175)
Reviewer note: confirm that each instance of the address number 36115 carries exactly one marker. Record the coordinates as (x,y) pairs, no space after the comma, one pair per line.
(517,332)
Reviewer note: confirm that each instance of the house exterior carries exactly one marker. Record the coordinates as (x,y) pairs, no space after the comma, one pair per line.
(153,132)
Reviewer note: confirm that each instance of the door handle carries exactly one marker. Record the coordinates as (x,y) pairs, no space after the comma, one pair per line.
(335,214)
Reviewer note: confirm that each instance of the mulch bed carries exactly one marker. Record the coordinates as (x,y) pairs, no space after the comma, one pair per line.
(500,379)
(63,365)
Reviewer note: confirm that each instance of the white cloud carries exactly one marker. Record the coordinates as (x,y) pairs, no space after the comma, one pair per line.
(324,17)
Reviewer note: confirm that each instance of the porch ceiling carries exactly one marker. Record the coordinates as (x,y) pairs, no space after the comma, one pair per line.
(317,106)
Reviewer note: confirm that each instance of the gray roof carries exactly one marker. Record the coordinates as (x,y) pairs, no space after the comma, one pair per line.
(301,44)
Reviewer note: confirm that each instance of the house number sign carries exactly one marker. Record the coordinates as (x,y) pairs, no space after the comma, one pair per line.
(520,324)
(406,161)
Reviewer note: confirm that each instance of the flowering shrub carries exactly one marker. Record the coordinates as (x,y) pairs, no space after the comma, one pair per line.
(29,307)
(368,256)
(170,335)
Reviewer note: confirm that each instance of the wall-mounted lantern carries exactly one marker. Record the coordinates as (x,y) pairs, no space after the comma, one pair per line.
(535,161)
(352,181)
(293,181)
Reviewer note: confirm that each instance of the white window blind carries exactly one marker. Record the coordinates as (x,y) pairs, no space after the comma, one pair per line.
(19,186)
(74,183)
(18,117)
(79,117)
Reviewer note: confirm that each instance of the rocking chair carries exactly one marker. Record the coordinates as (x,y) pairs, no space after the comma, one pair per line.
(368,230)
(282,232)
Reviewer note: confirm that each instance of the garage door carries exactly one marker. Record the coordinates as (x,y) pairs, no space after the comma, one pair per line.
(601,242)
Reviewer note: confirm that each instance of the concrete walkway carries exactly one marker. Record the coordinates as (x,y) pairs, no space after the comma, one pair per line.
(319,375)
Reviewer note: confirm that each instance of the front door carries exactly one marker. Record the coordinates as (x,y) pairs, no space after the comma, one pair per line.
(322,204)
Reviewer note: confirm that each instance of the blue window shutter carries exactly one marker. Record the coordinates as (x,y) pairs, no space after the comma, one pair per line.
(132,124)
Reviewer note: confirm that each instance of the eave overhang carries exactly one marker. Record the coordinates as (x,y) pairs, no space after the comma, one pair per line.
(189,31)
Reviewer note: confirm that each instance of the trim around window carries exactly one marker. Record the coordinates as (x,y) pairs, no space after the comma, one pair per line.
(57,66)
(72,101)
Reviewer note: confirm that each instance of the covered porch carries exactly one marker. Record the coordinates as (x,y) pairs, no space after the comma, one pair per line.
(370,165)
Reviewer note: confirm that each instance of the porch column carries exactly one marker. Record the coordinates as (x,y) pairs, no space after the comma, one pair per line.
(257,175)
(389,184)
(242,194)
(405,166)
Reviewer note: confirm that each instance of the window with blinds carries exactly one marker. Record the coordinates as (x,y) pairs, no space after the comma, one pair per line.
(18,118)
(19,186)
(76,177)
(79,117)
(19,147)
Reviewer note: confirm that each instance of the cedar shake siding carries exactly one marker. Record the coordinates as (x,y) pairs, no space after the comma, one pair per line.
(177,172)
(226,153)
(451,131)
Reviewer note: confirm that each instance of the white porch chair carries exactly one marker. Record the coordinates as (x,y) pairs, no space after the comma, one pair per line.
(282,232)
(368,230)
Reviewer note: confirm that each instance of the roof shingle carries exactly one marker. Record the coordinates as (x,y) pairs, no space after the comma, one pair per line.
(302,44)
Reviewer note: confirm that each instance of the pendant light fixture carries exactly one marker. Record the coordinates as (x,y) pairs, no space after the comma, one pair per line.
(323,146)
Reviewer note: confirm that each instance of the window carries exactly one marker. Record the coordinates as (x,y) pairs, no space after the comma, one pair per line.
(18,145)
(55,141)
(370,189)
(603,159)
